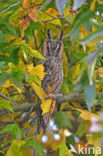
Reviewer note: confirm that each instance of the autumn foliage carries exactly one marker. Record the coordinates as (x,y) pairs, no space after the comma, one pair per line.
(78,118)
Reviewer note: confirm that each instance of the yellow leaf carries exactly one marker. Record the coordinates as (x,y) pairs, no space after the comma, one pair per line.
(76,104)
(21,65)
(96,142)
(9,83)
(66,10)
(56,22)
(18,89)
(38,70)
(11,37)
(15,148)
(45,17)
(36,2)
(17,40)
(83,32)
(52,12)
(93,4)
(26,3)
(99,72)
(39,91)
(85,115)
(92,45)
(74,47)
(64,106)
(45,106)
(75,71)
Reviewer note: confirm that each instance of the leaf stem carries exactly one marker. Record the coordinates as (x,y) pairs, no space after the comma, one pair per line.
(11,7)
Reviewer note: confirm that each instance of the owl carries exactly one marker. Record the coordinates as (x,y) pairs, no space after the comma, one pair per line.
(52,82)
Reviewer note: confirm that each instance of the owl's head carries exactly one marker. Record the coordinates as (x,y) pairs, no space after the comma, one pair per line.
(54,47)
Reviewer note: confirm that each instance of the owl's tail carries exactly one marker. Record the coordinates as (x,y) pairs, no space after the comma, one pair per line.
(43,120)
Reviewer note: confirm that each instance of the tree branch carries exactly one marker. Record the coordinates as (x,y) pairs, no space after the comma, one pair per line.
(73,97)
(22,107)
(8,99)
(11,7)
(76,97)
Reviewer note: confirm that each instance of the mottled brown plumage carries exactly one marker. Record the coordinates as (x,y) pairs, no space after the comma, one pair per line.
(53,65)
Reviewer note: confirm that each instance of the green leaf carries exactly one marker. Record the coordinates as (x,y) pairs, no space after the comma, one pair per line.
(78,4)
(60,5)
(8,26)
(70,140)
(44,5)
(2,39)
(60,117)
(31,52)
(84,15)
(14,58)
(17,76)
(90,94)
(36,146)
(13,129)
(1,152)
(5,104)
(33,26)
(81,129)
(15,148)
(63,149)
(79,55)
(91,58)
(3,60)
(91,37)
(65,89)
(3,77)
(100,98)
(83,81)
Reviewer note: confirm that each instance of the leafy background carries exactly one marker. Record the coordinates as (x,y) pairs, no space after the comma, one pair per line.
(78,118)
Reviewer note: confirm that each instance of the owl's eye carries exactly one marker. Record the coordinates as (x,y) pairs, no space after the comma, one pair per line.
(58,47)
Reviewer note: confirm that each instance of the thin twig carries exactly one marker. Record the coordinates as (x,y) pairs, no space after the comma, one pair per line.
(53,18)
(50,20)
(74,63)
(40,45)
(8,99)
(25,118)
(11,7)
(35,41)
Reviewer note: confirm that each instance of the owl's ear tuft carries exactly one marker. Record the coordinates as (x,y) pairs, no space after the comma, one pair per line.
(60,35)
(48,34)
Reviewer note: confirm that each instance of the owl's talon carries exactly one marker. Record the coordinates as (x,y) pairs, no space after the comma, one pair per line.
(55,96)
(49,96)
